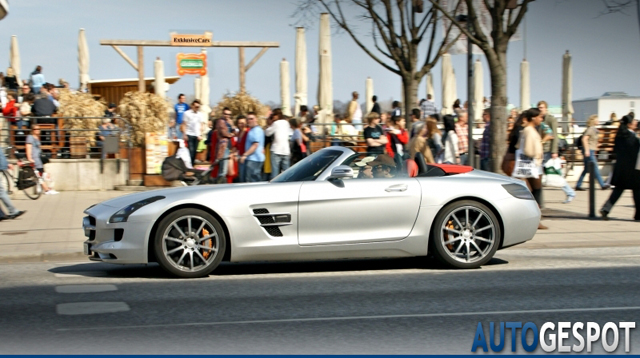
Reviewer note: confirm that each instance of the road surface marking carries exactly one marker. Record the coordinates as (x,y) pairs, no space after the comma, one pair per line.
(82,308)
(85,288)
(353,318)
(82,274)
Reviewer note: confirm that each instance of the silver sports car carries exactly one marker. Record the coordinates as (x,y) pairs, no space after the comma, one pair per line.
(334,204)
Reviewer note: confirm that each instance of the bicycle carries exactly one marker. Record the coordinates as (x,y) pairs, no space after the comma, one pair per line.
(28,179)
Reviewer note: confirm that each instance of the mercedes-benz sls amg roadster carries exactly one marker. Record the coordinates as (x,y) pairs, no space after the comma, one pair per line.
(326,206)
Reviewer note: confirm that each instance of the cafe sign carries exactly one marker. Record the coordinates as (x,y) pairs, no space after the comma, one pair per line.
(191,64)
(191,40)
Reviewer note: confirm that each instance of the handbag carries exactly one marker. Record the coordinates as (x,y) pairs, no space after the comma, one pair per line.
(44,159)
(525,166)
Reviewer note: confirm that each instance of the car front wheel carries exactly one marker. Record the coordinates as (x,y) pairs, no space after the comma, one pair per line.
(466,234)
(189,243)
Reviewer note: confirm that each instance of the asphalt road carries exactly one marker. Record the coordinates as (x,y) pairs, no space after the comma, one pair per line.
(405,306)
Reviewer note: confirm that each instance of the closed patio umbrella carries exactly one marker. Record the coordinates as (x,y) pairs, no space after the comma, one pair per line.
(160,86)
(204,92)
(285,87)
(325,84)
(14,58)
(567,78)
(525,86)
(430,86)
(301,71)
(478,92)
(83,60)
(448,85)
(368,92)
(197,88)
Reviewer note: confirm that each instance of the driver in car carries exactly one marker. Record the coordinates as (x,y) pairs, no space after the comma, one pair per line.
(383,166)
(365,171)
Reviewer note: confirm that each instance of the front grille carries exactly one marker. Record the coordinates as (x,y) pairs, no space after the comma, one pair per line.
(92,220)
(260,211)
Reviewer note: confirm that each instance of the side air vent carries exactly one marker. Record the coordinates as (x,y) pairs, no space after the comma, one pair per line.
(271,222)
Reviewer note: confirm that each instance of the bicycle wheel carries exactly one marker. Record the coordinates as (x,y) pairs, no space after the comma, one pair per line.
(33,192)
(5,181)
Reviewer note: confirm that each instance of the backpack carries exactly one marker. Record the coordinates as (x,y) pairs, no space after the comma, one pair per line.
(579,143)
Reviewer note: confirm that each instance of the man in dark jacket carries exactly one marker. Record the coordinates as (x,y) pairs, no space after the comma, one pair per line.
(43,107)
(625,175)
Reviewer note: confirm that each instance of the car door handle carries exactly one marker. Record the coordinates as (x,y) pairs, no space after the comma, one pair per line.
(398,187)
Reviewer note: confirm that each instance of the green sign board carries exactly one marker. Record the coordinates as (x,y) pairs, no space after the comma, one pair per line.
(191,63)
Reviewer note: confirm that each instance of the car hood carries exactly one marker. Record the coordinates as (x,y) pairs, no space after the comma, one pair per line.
(175,193)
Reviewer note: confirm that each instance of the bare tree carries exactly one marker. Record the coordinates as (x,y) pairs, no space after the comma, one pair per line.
(398,27)
(621,6)
(506,16)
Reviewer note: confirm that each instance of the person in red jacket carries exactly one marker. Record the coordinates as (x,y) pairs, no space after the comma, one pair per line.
(398,138)
(10,111)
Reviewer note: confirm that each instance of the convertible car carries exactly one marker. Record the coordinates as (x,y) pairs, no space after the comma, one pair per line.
(327,206)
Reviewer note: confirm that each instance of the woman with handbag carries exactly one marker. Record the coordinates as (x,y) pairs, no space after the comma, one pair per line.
(530,146)
(34,155)
(625,174)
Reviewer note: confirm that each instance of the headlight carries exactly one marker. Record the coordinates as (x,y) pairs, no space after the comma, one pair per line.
(518,191)
(123,214)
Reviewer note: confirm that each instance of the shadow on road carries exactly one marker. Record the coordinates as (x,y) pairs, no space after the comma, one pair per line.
(154,271)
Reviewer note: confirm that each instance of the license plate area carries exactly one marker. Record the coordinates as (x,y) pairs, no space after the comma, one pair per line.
(87,248)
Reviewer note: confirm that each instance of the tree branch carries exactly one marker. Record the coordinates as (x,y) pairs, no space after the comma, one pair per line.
(512,28)
(462,28)
(342,23)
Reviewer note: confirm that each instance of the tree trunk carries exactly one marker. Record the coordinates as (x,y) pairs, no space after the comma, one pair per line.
(410,87)
(498,141)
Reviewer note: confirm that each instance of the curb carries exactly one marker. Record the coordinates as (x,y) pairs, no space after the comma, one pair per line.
(43,257)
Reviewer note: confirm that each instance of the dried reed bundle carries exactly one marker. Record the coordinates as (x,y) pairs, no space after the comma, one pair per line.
(241,103)
(146,112)
(78,104)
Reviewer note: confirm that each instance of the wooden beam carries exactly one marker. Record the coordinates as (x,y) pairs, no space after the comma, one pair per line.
(126,58)
(242,69)
(168,43)
(141,83)
(255,59)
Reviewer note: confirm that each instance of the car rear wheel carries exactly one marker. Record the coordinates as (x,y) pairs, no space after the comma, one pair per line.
(466,234)
(189,243)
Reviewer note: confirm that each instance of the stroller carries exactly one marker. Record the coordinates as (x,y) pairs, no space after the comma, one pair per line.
(174,168)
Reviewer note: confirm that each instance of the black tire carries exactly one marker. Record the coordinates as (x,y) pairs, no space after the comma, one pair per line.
(172,250)
(34,191)
(463,244)
(6,182)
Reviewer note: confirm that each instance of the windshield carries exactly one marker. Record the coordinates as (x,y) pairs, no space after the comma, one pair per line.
(309,168)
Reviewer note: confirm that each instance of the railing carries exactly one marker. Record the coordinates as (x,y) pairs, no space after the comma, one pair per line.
(58,140)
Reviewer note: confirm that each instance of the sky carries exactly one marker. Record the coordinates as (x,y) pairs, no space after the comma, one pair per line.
(605,49)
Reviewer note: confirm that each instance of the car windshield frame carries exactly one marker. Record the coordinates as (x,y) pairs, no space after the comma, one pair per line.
(309,168)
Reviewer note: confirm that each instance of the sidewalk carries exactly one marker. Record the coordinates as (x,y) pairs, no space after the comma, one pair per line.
(51,228)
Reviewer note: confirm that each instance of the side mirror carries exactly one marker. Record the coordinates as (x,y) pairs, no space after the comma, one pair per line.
(341,172)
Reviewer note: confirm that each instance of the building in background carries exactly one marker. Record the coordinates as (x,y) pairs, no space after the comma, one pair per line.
(619,103)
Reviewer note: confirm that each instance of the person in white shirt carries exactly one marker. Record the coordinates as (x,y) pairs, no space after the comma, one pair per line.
(354,114)
(280,149)
(451,150)
(193,121)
